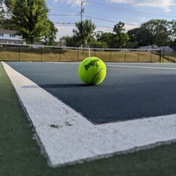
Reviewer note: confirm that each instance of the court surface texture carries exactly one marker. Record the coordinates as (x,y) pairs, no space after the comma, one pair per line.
(135,100)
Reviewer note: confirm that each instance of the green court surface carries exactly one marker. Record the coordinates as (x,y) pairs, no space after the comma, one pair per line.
(21,155)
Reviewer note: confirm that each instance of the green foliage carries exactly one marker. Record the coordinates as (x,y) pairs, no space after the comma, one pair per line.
(2,19)
(10,5)
(98,44)
(105,37)
(159,31)
(119,38)
(30,19)
(72,41)
(83,34)
(141,36)
(132,44)
(51,36)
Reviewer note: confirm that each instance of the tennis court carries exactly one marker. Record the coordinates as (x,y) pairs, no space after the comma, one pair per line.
(104,120)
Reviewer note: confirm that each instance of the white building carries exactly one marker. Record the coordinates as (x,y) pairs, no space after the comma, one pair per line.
(10,37)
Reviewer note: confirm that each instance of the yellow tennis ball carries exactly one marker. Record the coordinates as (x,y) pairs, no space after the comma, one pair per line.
(92,71)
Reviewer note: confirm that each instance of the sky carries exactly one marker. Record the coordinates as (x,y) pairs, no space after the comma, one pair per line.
(106,13)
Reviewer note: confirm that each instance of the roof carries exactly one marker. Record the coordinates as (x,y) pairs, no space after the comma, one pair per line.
(13,40)
(149,47)
(166,48)
(4,31)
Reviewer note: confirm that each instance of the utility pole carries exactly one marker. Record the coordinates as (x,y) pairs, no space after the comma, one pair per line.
(82,11)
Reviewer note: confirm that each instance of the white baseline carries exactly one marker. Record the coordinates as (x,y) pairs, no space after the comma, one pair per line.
(68,137)
(141,67)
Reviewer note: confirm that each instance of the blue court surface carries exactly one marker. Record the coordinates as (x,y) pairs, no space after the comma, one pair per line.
(129,91)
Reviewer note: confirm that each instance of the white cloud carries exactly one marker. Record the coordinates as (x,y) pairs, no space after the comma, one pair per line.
(131,26)
(64,31)
(165,4)
(143,19)
(70,2)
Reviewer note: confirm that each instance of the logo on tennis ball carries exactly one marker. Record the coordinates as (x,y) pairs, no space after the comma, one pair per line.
(91,64)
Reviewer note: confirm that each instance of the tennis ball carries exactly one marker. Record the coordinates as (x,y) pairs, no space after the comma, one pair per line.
(92,71)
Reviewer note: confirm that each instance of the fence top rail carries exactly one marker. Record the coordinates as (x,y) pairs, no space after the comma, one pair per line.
(79,48)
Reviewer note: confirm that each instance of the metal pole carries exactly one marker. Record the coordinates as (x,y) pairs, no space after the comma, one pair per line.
(125,56)
(19,52)
(89,52)
(160,56)
(82,11)
(41,53)
(110,56)
(138,56)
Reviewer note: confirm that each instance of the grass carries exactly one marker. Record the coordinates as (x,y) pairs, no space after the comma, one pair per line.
(21,155)
(65,55)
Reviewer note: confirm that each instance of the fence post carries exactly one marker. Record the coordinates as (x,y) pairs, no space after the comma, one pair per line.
(60,54)
(160,56)
(151,56)
(41,53)
(125,56)
(163,53)
(19,52)
(110,56)
(94,52)
(78,54)
(138,56)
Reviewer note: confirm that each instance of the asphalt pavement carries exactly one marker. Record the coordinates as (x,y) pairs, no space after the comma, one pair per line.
(129,91)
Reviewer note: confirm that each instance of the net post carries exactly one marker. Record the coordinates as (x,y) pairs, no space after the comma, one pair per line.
(89,52)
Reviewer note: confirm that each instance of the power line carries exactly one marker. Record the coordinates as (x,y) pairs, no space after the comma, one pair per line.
(64,23)
(54,14)
(91,17)
(117,9)
(98,5)
(111,21)
(102,28)
(73,24)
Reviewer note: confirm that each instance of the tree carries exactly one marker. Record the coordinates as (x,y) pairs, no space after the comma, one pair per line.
(49,39)
(159,30)
(140,36)
(30,19)
(2,17)
(105,37)
(83,32)
(98,44)
(9,4)
(119,38)
(172,25)
(5,18)
(72,41)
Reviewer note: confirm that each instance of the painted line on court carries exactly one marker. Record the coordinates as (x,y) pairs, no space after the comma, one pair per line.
(141,67)
(68,137)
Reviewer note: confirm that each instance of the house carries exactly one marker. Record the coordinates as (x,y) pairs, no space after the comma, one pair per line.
(167,50)
(149,47)
(10,37)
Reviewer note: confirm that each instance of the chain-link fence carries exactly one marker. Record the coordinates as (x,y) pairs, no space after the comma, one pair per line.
(73,54)
(169,55)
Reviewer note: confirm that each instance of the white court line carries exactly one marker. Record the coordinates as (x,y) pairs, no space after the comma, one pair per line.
(68,137)
(141,67)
